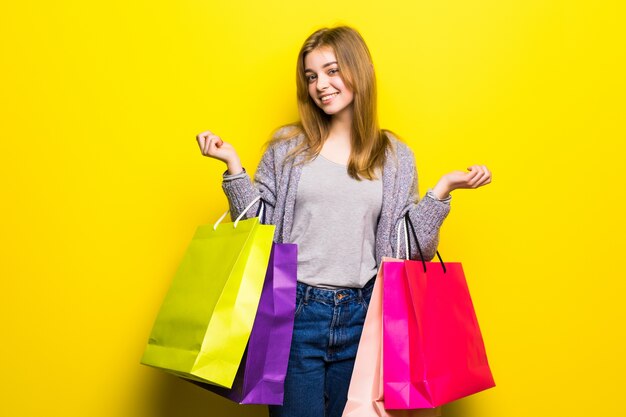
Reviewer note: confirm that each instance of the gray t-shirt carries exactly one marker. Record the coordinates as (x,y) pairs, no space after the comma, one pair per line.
(335,220)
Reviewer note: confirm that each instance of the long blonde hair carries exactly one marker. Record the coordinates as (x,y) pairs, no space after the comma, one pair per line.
(368,141)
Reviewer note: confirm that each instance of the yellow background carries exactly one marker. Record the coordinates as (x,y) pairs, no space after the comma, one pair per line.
(103,183)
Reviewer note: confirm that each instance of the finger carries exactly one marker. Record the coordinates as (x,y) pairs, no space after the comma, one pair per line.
(486,177)
(467,179)
(473,173)
(202,136)
(206,133)
(484,181)
(200,141)
(207,145)
(214,143)
(479,174)
(219,142)
(474,169)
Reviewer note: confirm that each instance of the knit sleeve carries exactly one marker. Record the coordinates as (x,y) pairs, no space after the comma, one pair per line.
(240,190)
(426,214)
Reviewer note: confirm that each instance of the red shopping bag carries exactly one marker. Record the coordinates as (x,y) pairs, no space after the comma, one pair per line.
(365,395)
(433,347)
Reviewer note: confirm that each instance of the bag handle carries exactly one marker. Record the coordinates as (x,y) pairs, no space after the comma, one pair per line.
(407,220)
(260,213)
(406,241)
(240,215)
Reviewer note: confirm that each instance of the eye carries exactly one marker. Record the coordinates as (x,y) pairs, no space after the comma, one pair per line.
(310,77)
(333,71)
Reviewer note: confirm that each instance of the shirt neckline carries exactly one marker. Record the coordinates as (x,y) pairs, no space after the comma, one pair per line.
(333,162)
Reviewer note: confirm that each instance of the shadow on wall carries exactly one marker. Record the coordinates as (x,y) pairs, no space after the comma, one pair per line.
(459,408)
(175,397)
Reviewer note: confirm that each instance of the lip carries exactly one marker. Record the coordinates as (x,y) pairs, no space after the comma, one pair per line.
(328,94)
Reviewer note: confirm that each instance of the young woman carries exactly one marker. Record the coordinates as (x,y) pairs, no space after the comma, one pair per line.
(337,185)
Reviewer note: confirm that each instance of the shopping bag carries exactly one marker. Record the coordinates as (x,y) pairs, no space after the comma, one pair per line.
(203,326)
(261,375)
(365,394)
(434,351)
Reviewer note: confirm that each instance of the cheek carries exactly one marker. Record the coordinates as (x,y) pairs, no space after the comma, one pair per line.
(344,88)
(350,92)
(348,95)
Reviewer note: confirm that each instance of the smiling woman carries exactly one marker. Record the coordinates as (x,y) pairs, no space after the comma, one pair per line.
(337,185)
(345,128)
(326,87)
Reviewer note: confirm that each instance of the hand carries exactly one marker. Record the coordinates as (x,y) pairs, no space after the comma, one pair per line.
(213,146)
(477,176)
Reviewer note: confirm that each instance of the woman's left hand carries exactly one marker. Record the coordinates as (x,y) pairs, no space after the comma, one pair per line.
(477,176)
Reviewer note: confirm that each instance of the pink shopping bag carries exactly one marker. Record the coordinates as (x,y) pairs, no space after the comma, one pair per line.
(434,351)
(365,395)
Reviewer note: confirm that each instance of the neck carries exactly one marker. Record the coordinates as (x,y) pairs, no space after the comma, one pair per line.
(341,124)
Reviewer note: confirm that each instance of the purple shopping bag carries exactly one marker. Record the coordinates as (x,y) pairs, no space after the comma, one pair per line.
(261,375)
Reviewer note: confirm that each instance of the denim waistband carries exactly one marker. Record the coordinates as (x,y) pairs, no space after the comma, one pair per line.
(335,296)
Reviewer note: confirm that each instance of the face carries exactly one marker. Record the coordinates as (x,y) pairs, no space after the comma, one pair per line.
(326,86)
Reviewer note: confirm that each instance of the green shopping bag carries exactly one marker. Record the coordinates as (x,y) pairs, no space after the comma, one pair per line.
(203,326)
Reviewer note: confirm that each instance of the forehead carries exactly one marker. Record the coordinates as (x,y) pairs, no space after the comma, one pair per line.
(318,57)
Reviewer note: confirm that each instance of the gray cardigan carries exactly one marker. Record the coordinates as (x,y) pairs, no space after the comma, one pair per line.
(276,180)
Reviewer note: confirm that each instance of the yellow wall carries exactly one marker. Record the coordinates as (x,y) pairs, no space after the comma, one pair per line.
(103,183)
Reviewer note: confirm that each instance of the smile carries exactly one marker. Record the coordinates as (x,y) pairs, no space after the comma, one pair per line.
(329,97)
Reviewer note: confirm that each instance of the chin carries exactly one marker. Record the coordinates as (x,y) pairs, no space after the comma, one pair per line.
(332,111)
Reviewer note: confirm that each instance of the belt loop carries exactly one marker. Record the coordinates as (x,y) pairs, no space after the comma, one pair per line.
(306,293)
(360,292)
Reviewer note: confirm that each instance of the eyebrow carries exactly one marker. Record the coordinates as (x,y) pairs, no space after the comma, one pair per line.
(323,66)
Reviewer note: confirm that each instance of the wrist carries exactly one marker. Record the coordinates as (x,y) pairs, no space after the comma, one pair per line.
(442,190)
(234,167)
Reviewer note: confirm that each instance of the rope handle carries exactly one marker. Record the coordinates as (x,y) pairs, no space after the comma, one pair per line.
(407,220)
(240,215)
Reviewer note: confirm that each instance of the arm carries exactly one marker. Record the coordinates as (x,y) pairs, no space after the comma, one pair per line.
(427,214)
(240,190)
(237,185)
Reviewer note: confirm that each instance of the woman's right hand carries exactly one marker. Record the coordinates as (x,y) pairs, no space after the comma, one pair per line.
(213,146)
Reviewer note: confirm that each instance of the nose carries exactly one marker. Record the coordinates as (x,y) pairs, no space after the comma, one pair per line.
(322,82)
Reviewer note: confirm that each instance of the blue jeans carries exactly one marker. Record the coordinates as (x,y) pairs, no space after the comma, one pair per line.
(326,335)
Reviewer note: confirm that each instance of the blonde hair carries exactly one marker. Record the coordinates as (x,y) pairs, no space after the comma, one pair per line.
(368,141)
